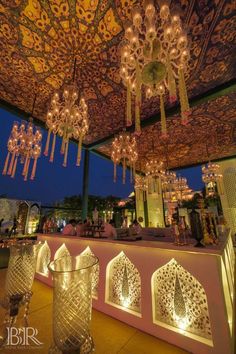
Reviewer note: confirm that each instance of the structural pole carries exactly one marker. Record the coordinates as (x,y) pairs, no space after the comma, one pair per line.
(85,185)
(145,207)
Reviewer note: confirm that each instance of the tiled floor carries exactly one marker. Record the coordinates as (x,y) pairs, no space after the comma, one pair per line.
(110,335)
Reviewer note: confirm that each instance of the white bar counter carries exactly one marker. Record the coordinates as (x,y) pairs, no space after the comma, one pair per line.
(183,295)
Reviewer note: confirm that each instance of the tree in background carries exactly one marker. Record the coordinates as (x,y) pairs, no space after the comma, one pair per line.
(209,201)
(71,207)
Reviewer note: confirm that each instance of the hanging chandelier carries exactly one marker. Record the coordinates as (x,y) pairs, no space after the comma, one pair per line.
(154,172)
(210,176)
(155,55)
(180,186)
(141,183)
(68,120)
(124,151)
(24,145)
(168,185)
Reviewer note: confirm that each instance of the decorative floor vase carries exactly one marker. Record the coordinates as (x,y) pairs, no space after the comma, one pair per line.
(72,304)
(19,281)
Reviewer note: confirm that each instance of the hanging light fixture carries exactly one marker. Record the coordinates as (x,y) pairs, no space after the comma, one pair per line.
(155,54)
(168,185)
(68,120)
(154,172)
(210,176)
(124,151)
(24,145)
(141,183)
(180,186)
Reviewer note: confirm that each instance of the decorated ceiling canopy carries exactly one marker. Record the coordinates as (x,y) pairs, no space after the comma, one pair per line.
(212,124)
(40,39)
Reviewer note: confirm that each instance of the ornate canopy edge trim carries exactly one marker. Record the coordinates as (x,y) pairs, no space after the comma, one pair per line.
(106,157)
(221,90)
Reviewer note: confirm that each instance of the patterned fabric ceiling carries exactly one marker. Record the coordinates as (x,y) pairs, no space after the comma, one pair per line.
(210,133)
(39,40)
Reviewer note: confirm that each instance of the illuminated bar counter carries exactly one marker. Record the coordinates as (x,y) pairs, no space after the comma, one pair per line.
(183,295)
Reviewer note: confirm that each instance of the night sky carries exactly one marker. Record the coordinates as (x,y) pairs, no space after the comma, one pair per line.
(53,181)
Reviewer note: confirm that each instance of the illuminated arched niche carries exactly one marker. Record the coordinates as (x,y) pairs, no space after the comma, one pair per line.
(95,273)
(43,259)
(63,252)
(179,302)
(123,285)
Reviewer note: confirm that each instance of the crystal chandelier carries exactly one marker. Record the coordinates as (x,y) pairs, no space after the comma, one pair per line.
(187,194)
(24,145)
(210,176)
(155,55)
(68,120)
(141,183)
(180,187)
(154,172)
(168,185)
(124,151)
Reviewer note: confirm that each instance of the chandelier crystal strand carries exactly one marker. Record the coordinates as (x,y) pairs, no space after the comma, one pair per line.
(129,105)
(124,151)
(210,176)
(155,55)
(67,119)
(163,117)
(24,144)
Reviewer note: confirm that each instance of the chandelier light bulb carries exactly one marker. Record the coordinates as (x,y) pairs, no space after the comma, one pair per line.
(24,145)
(67,119)
(124,151)
(155,54)
(210,176)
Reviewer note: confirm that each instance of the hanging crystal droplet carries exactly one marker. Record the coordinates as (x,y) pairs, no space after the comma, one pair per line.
(125,285)
(179,305)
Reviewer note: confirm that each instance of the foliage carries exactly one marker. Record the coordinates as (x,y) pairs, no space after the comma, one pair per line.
(209,201)
(192,203)
(71,207)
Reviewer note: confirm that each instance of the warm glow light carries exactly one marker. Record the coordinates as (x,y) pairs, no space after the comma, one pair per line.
(124,151)
(154,54)
(24,146)
(69,120)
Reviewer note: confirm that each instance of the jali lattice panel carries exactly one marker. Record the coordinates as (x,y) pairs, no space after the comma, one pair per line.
(95,273)
(123,286)
(179,302)
(43,260)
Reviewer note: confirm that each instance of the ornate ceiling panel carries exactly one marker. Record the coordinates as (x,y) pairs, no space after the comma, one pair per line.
(39,40)
(212,128)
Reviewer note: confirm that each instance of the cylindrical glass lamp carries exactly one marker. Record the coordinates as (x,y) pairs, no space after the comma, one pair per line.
(19,281)
(21,269)
(72,303)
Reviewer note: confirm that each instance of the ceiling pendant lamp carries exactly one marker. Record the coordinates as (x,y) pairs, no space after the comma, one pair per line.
(155,55)
(124,152)
(68,119)
(24,146)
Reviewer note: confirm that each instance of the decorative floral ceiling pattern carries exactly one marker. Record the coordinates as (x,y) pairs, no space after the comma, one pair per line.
(40,39)
(210,134)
